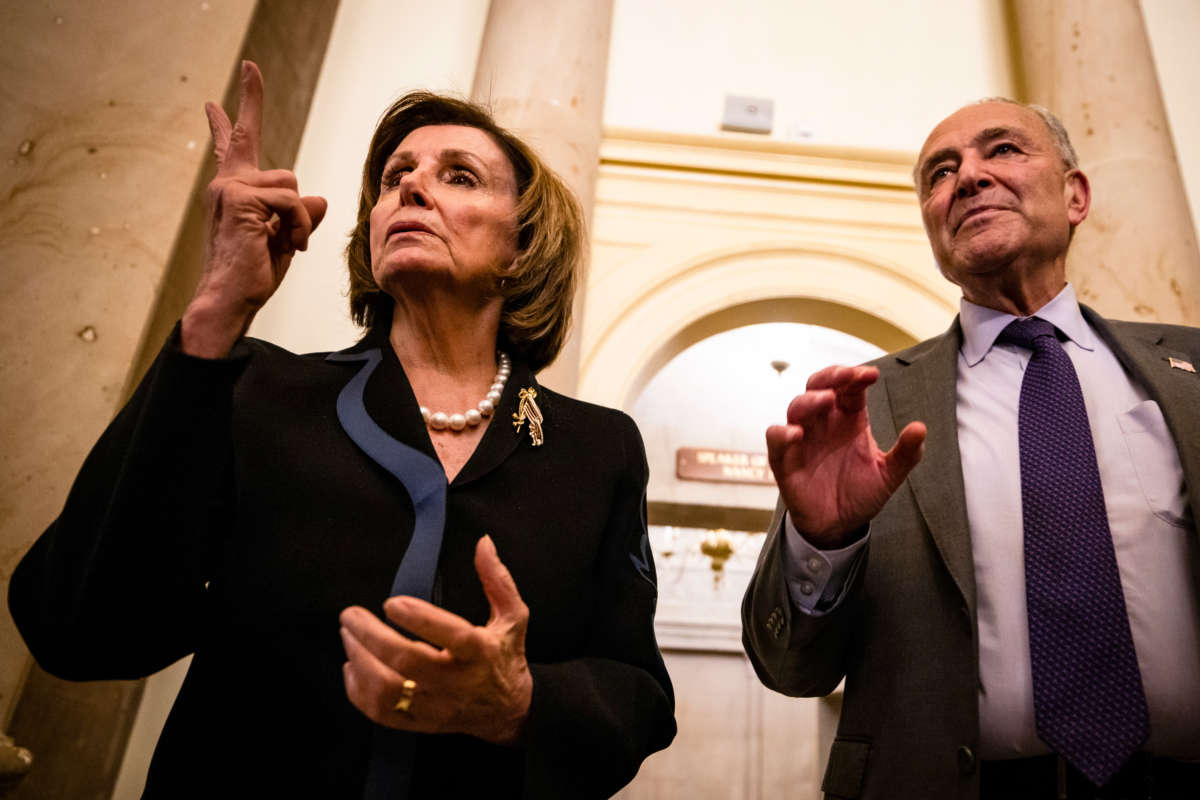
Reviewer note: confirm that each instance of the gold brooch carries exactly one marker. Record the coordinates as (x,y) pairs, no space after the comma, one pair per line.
(1179,363)
(527,409)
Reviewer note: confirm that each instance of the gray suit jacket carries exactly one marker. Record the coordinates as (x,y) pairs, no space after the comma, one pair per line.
(905,636)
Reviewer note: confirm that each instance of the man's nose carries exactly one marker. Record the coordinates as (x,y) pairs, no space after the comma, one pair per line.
(971,177)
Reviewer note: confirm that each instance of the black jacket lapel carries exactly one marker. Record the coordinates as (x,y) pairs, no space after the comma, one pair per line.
(501,439)
(391,403)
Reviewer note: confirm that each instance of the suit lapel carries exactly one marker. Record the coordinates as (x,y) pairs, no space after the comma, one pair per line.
(390,403)
(922,387)
(1141,350)
(501,439)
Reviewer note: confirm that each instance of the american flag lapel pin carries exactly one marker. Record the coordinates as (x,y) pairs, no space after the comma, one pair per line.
(1179,363)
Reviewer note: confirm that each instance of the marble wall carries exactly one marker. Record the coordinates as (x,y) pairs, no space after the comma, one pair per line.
(737,740)
(1136,256)
(102,138)
(101,236)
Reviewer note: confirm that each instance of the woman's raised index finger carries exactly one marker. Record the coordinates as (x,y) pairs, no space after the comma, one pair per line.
(246,137)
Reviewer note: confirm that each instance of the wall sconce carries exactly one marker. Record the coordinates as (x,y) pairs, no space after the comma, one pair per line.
(718,547)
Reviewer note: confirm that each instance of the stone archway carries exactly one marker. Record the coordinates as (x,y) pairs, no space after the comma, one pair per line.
(815,283)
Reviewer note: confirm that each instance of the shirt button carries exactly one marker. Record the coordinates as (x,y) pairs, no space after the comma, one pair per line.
(966,760)
(806,587)
(814,564)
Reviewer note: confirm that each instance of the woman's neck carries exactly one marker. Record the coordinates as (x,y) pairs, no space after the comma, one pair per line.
(448,352)
(446,338)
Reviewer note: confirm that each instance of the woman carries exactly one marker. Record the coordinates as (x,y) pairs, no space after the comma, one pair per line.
(252,506)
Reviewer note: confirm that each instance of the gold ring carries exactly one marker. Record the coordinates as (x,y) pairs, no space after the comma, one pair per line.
(407,690)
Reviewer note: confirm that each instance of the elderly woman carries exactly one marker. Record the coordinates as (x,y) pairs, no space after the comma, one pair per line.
(405,569)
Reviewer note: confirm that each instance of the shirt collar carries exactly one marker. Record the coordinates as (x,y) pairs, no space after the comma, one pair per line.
(981,325)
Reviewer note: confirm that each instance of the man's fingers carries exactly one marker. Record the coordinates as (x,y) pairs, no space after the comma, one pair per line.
(848,383)
(498,584)
(779,439)
(840,378)
(807,408)
(852,395)
(244,140)
(905,454)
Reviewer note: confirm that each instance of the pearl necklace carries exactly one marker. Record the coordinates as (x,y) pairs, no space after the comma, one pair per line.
(440,420)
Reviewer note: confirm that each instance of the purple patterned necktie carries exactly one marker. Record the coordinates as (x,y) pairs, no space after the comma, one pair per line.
(1087,690)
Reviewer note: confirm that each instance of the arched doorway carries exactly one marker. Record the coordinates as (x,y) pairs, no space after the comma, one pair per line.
(641,328)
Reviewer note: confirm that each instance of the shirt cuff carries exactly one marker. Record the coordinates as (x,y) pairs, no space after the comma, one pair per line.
(817,579)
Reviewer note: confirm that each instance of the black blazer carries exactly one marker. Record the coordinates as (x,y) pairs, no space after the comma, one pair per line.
(906,639)
(226,513)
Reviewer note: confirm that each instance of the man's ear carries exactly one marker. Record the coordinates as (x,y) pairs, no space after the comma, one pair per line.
(1077,193)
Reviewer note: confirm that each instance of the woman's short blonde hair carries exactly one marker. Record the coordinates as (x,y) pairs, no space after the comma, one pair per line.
(539,289)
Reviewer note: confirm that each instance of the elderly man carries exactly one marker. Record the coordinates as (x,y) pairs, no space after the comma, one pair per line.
(1018,615)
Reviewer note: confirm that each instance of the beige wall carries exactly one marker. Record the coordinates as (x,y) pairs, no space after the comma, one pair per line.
(866,73)
(1174,27)
(736,740)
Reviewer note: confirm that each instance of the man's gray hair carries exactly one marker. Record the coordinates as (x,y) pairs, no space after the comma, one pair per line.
(1066,150)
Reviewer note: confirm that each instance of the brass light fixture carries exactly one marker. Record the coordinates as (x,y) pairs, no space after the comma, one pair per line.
(718,547)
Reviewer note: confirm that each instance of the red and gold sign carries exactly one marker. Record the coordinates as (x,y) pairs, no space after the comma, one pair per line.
(724,466)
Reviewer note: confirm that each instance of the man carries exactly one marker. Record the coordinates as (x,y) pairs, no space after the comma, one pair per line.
(1017,615)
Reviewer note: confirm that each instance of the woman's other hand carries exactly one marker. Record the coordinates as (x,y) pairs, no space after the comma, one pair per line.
(257,222)
(469,679)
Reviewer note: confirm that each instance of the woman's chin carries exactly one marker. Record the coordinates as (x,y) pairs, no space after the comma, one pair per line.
(411,272)
(435,285)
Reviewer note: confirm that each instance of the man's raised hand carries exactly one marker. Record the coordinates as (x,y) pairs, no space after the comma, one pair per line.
(831,474)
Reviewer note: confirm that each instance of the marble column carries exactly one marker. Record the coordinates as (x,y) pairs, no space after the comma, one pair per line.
(101,140)
(1090,62)
(104,152)
(542,69)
